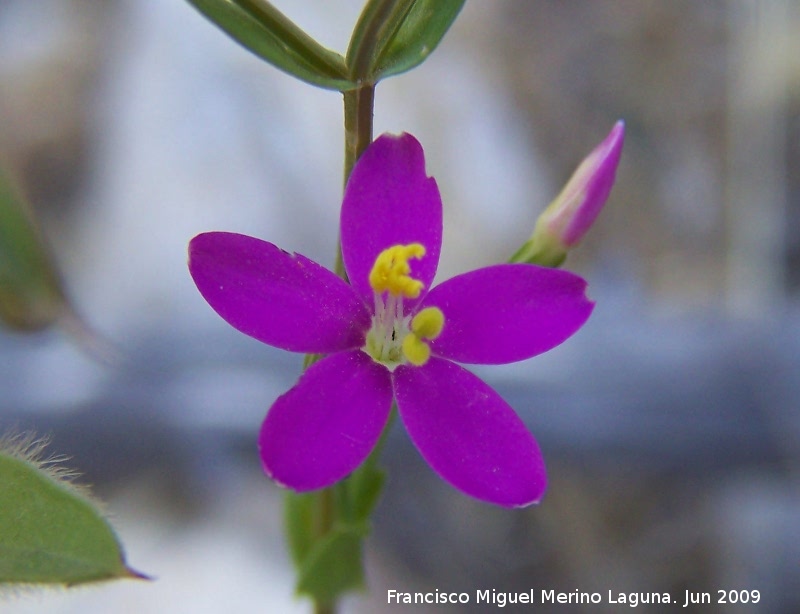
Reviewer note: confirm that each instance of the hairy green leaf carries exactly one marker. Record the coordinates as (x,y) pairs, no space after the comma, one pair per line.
(49,532)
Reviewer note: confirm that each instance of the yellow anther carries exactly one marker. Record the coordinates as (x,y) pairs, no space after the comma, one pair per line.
(391,271)
(416,351)
(428,323)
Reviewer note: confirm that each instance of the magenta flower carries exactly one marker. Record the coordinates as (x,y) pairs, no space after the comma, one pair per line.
(389,335)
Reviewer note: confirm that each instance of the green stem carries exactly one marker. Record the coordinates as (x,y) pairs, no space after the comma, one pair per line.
(358,107)
(324,608)
(358,110)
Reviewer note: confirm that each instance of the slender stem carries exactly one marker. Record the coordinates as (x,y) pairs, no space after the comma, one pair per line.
(358,110)
(326,513)
(324,608)
(358,106)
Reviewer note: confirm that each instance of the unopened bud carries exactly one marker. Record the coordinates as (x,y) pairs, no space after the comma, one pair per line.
(562,225)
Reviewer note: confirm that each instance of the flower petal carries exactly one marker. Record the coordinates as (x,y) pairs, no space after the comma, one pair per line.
(285,300)
(324,427)
(469,434)
(389,200)
(507,312)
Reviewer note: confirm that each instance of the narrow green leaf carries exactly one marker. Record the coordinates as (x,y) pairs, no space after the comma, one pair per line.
(334,566)
(31,294)
(392,37)
(49,532)
(261,28)
(420,33)
(376,26)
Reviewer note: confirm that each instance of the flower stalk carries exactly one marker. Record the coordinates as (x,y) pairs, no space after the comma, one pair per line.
(358,114)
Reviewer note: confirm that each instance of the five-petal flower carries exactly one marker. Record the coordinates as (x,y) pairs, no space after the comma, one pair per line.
(388,335)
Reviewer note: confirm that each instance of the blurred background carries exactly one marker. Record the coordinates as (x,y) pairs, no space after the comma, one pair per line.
(669,423)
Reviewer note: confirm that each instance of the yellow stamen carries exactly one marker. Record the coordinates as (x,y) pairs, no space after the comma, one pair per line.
(428,323)
(416,351)
(391,271)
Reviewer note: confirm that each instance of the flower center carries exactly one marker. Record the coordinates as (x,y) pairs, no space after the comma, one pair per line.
(396,338)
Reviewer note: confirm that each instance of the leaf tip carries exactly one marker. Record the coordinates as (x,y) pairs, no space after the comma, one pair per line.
(129,573)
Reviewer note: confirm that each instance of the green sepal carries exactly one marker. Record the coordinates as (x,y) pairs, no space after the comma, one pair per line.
(261,28)
(50,533)
(31,293)
(540,250)
(394,36)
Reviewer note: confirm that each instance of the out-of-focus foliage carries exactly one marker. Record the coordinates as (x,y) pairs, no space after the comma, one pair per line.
(31,294)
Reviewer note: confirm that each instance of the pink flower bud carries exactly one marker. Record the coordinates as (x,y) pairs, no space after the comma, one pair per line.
(562,225)
(574,210)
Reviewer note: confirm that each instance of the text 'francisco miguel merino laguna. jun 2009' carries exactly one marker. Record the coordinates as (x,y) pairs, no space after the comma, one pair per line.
(501,599)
